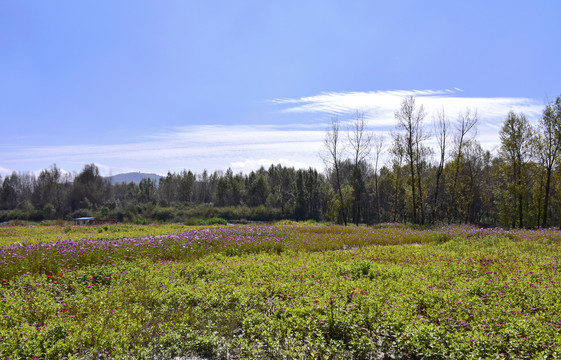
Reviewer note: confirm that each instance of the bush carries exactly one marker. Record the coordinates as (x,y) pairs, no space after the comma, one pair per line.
(49,211)
(18,214)
(18,222)
(286,222)
(163,213)
(216,221)
(140,221)
(4,216)
(261,213)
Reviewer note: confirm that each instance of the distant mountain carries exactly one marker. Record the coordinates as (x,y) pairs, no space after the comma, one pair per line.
(134,177)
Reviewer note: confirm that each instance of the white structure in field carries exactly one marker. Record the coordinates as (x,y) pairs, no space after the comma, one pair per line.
(86,220)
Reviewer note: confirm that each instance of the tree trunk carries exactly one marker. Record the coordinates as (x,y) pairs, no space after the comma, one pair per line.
(377,198)
(342,209)
(546,198)
(520,207)
(412,168)
(435,201)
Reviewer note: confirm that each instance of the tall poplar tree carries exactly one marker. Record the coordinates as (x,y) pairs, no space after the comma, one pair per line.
(516,146)
(410,125)
(549,139)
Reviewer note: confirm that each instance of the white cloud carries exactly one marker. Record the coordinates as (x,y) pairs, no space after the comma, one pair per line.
(380,106)
(237,134)
(250,164)
(4,171)
(194,147)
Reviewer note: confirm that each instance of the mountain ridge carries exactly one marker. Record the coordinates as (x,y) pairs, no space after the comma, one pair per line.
(134,177)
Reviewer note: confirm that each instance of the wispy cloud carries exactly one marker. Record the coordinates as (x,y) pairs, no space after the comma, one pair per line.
(380,106)
(344,102)
(193,147)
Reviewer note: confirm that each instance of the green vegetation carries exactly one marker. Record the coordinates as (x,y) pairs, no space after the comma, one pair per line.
(52,233)
(285,291)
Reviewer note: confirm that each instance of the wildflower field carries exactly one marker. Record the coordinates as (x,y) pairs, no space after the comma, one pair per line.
(282,292)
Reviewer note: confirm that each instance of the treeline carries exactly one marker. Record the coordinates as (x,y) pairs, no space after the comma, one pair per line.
(264,195)
(368,179)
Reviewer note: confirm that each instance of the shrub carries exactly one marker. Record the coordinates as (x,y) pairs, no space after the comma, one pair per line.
(286,222)
(49,211)
(140,221)
(216,221)
(163,213)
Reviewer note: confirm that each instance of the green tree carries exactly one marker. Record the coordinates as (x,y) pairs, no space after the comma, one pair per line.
(168,189)
(223,191)
(258,189)
(549,143)
(90,185)
(515,150)
(147,190)
(11,194)
(300,211)
(186,186)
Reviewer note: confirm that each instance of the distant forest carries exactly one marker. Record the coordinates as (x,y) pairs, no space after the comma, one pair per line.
(367,179)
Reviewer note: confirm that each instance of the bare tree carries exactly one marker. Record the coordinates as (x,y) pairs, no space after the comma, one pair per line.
(360,141)
(332,159)
(378,145)
(466,122)
(410,122)
(398,153)
(441,129)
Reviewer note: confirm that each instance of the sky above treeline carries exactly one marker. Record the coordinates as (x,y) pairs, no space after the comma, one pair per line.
(158,86)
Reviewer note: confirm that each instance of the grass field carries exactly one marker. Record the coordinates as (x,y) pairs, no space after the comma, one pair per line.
(280,292)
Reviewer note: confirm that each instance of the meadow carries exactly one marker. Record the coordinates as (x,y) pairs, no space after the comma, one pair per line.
(46,234)
(280,292)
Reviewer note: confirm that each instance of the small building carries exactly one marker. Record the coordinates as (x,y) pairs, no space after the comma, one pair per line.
(86,220)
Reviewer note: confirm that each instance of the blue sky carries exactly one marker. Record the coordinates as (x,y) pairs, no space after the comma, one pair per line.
(166,85)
